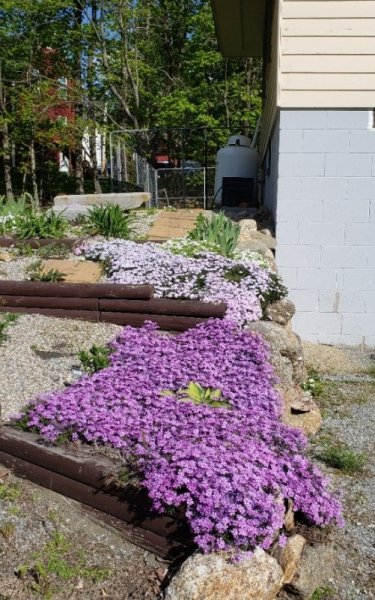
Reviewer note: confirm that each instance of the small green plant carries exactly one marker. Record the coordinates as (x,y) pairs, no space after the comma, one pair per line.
(236,274)
(95,359)
(220,231)
(23,250)
(110,220)
(275,291)
(60,560)
(324,593)
(9,492)
(199,395)
(7,529)
(37,273)
(6,320)
(314,384)
(36,224)
(53,251)
(339,456)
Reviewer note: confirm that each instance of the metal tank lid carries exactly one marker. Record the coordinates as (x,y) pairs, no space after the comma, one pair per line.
(239,140)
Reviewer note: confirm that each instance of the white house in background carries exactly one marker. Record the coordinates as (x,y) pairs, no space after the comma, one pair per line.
(318,152)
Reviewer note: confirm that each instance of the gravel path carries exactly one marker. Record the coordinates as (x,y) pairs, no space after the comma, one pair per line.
(349,418)
(39,354)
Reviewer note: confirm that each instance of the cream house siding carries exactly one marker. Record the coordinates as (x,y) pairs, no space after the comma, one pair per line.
(327,54)
(272,80)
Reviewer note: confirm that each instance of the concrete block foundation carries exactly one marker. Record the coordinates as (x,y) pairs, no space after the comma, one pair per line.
(320,186)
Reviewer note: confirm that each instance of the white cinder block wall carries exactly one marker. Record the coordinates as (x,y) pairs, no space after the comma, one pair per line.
(321,188)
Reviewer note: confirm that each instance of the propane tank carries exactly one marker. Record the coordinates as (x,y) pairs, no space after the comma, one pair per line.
(236,172)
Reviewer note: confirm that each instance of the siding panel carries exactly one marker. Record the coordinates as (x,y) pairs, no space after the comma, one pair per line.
(329,9)
(327,54)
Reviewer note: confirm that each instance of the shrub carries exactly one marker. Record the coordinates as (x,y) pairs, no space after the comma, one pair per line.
(111,221)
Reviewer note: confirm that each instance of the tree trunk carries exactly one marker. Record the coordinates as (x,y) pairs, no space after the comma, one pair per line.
(78,171)
(33,174)
(6,150)
(7,161)
(91,110)
(94,162)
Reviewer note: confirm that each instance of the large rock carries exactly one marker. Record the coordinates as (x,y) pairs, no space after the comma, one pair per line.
(80,204)
(317,567)
(212,577)
(280,312)
(255,245)
(289,557)
(286,351)
(308,422)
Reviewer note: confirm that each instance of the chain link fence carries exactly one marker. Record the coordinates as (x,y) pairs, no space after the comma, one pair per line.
(176,165)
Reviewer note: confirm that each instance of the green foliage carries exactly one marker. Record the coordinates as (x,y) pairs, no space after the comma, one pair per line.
(276,291)
(110,220)
(326,592)
(36,273)
(339,456)
(53,251)
(220,231)
(314,384)
(6,320)
(199,395)
(60,560)
(94,359)
(236,274)
(23,249)
(7,529)
(40,225)
(9,492)
(189,247)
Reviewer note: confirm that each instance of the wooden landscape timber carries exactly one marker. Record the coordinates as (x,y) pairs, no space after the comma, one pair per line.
(89,480)
(101,302)
(35,243)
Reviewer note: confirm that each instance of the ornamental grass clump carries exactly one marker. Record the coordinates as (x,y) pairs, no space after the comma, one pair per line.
(206,277)
(230,467)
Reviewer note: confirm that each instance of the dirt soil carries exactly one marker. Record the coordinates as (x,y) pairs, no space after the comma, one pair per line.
(50,548)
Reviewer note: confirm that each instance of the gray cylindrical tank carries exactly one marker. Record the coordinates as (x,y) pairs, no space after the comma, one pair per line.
(236,165)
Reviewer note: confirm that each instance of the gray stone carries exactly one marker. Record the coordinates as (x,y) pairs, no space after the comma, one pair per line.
(213,577)
(76,204)
(280,312)
(317,567)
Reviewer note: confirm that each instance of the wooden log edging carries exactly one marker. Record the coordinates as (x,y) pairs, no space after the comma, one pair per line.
(84,479)
(109,303)
(35,243)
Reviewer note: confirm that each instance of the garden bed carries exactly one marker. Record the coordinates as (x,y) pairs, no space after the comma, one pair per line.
(90,481)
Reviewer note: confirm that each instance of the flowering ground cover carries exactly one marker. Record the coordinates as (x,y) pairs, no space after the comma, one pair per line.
(243,283)
(223,455)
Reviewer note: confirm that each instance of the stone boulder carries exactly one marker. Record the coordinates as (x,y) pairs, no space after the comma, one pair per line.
(289,557)
(316,568)
(286,351)
(309,422)
(280,312)
(213,577)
